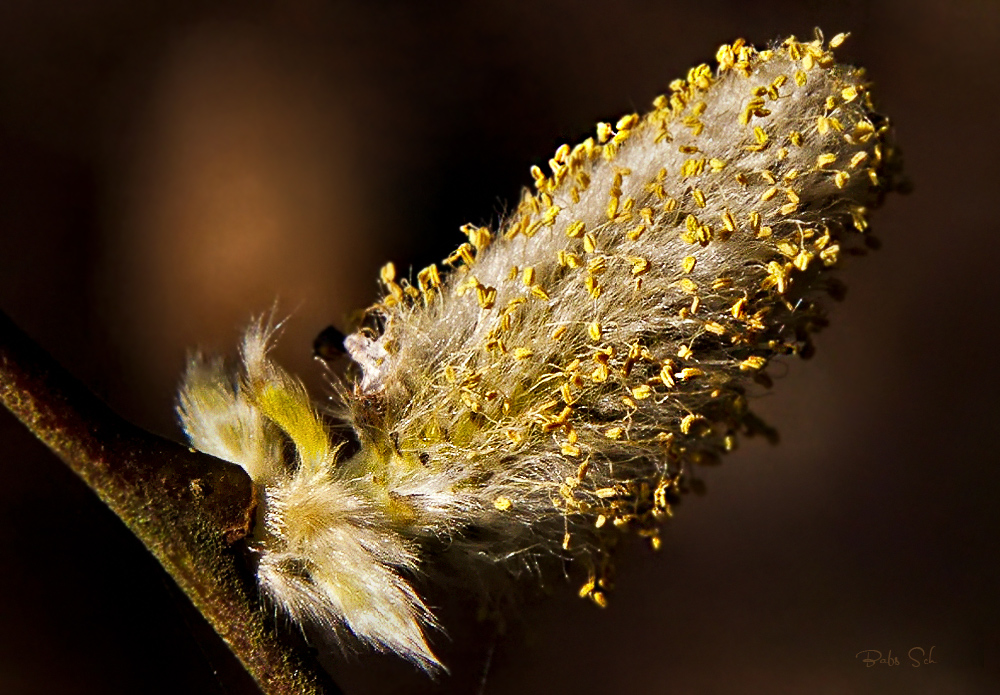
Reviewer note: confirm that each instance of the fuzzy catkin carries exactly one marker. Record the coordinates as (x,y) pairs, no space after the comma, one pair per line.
(552,389)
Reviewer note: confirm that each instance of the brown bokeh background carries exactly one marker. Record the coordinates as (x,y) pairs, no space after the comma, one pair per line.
(168,170)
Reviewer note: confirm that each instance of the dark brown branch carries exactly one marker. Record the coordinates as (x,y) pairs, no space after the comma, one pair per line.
(186,507)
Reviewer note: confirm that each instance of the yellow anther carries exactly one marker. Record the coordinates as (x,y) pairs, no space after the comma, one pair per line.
(570,449)
(825,159)
(388,272)
(486,296)
(594,331)
(642,392)
(627,122)
(728,222)
(640,266)
(538,175)
(428,278)
(692,167)
(597,265)
(753,363)
(687,285)
(802,260)
(688,373)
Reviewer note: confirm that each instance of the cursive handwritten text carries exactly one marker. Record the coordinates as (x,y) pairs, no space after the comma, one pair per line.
(918,656)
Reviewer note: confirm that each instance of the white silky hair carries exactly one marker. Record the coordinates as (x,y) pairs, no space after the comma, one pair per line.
(324,556)
(555,387)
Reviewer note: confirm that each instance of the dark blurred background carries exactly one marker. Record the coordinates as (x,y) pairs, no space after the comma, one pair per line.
(167,170)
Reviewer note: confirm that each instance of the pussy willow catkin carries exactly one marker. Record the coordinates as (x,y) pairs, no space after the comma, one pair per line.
(550,386)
